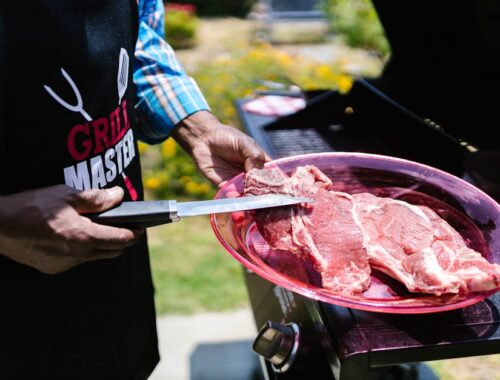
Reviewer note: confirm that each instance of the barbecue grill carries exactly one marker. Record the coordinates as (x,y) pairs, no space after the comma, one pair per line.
(303,338)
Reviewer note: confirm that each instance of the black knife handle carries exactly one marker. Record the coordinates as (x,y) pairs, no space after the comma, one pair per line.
(139,214)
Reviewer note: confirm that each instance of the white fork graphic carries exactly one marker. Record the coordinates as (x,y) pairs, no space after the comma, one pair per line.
(79,102)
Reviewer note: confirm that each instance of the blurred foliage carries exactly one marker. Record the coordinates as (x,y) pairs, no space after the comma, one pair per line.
(239,8)
(234,77)
(168,171)
(358,22)
(181,25)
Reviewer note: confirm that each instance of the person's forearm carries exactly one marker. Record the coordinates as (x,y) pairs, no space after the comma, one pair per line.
(192,129)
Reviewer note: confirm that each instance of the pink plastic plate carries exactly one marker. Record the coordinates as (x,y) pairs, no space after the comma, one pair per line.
(470,211)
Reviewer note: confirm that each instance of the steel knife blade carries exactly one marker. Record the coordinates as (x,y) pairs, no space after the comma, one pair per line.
(237,204)
(151,213)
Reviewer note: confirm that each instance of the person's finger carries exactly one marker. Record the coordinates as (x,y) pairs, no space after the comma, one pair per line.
(101,254)
(253,154)
(108,237)
(95,200)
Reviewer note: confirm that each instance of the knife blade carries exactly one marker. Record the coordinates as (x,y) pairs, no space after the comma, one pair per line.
(151,213)
(237,204)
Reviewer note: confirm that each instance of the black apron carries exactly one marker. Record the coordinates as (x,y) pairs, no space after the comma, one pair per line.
(445,63)
(68,118)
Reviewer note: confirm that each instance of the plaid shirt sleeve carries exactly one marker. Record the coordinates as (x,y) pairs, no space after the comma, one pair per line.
(166,94)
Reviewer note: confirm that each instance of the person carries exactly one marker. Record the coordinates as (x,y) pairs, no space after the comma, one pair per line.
(445,64)
(80,82)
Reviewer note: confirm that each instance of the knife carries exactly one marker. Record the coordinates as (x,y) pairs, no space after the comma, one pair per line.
(144,214)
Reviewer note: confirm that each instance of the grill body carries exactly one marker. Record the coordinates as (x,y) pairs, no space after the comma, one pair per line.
(341,343)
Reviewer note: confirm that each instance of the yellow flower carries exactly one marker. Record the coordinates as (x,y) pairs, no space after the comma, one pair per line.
(185,179)
(204,188)
(143,148)
(323,71)
(191,187)
(152,183)
(344,83)
(256,54)
(229,111)
(169,148)
(218,88)
(284,59)
(224,78)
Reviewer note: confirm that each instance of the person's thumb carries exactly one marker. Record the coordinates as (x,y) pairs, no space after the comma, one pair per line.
(94,200)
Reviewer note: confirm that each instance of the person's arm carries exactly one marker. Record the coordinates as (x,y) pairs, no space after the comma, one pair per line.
(166,94)
(171,104)
(44,228)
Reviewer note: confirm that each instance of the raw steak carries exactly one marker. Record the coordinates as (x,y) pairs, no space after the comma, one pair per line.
(344,235)
(415,246)
(327,232)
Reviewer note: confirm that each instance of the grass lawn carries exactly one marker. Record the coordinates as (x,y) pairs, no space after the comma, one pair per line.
(191,270)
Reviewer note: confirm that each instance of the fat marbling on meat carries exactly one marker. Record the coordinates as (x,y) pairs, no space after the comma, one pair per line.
(347,235)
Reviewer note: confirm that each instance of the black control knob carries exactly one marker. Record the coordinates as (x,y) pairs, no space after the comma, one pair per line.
(278,344)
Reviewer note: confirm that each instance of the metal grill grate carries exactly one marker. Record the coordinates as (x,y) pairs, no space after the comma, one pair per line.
(291,142)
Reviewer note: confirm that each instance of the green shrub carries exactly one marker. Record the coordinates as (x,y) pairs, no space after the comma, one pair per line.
(180,27)
(169,173)
(230,78)
(358,22)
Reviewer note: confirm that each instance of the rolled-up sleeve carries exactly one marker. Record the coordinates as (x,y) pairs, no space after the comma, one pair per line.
(166,94)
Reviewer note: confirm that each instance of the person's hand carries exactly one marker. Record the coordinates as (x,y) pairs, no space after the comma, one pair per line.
(219,151)
(43,228)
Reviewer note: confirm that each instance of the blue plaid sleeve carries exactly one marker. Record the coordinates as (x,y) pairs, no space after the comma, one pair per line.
(166,94)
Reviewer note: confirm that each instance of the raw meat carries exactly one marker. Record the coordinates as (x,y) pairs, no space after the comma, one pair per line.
(327,232)
(347,235)
(415,246)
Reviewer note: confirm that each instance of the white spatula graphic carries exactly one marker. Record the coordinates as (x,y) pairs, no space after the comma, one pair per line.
(122,80)
(122,74)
